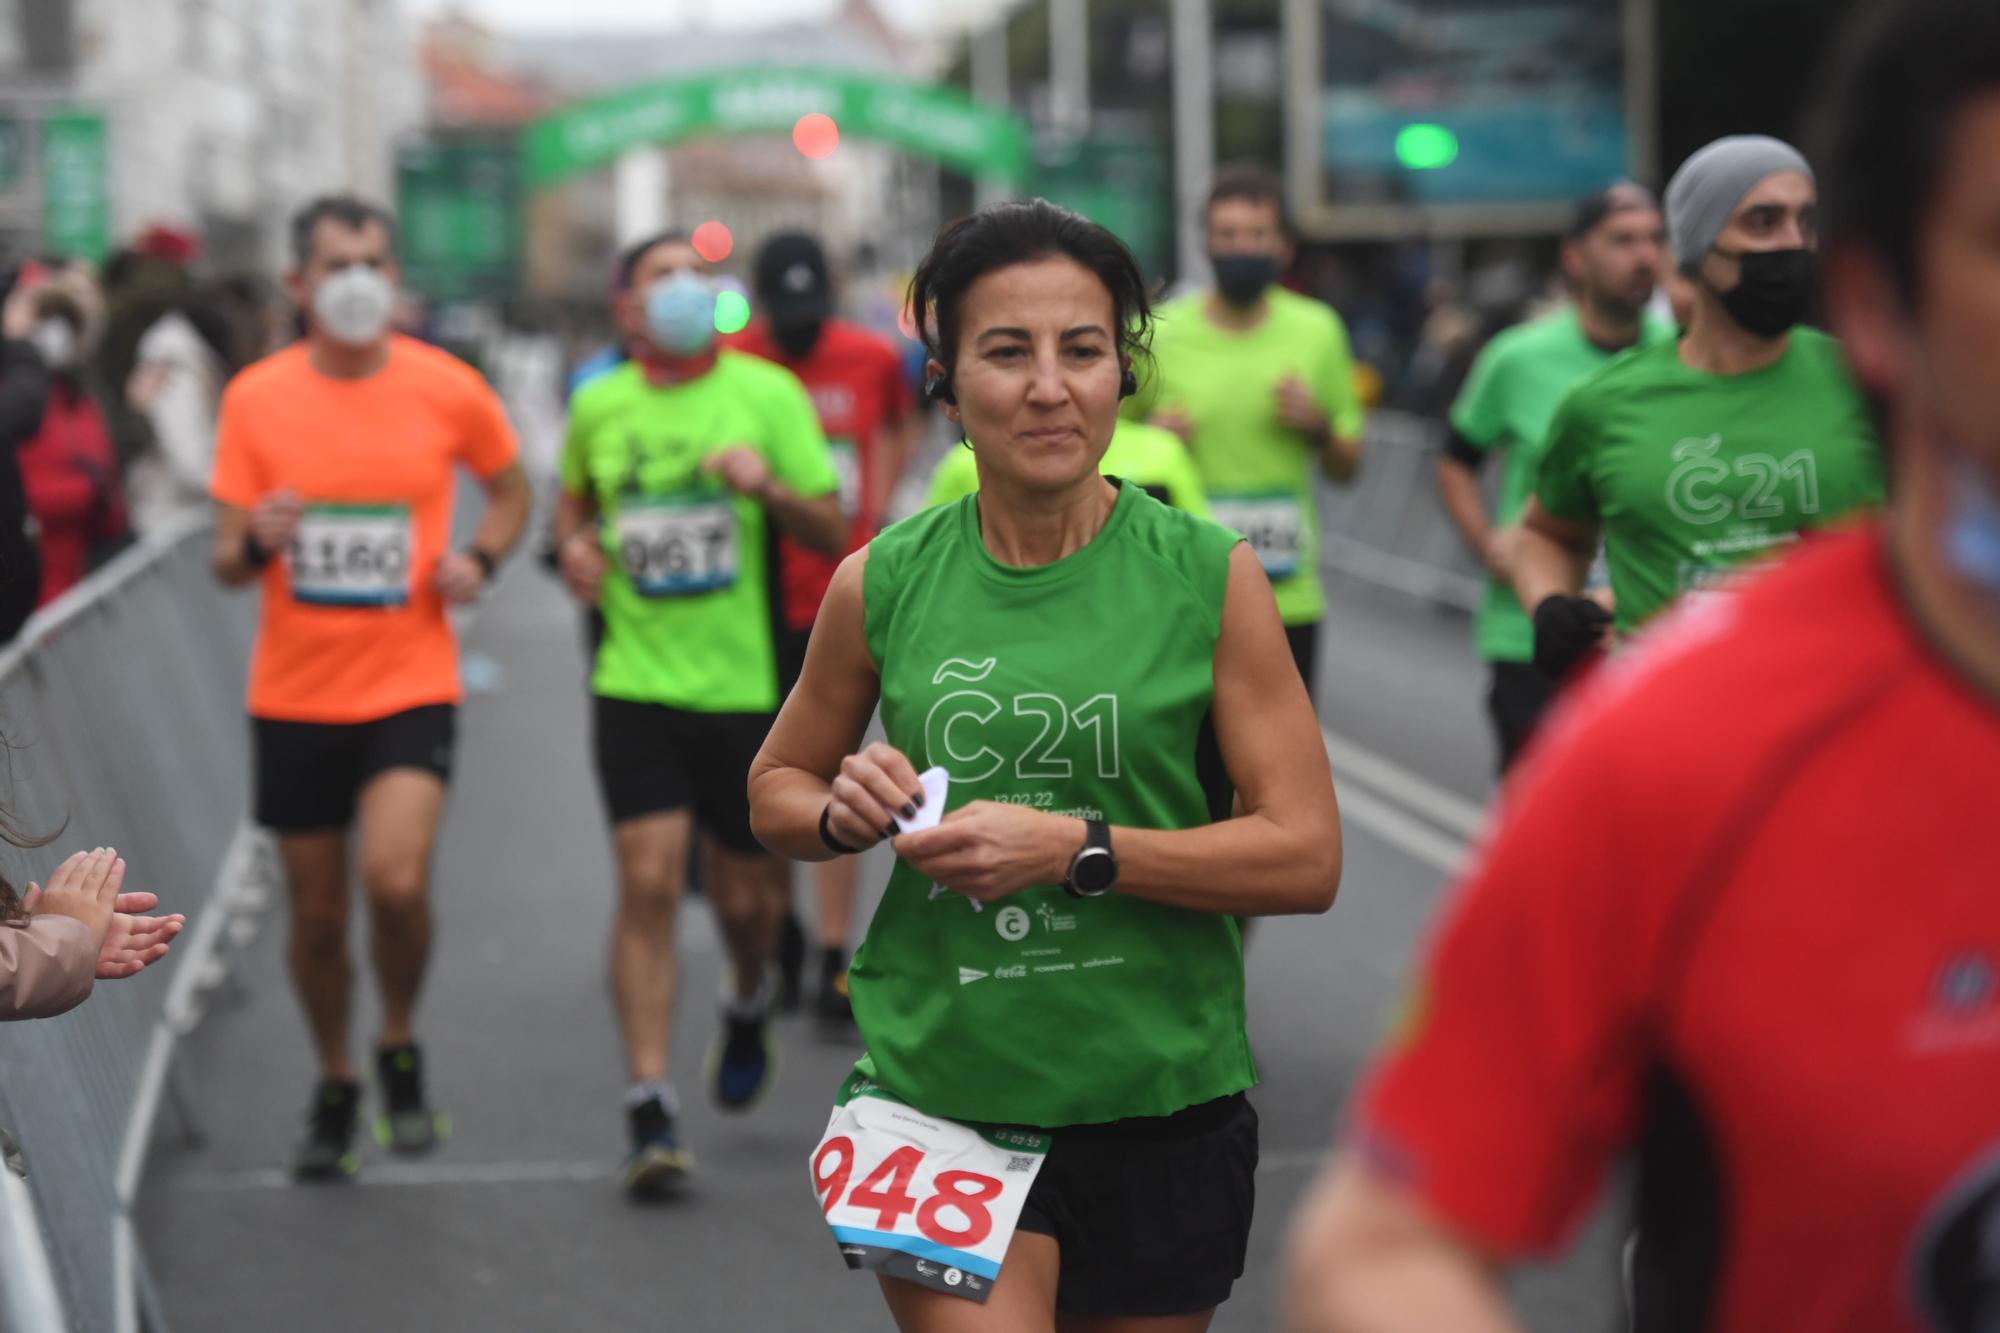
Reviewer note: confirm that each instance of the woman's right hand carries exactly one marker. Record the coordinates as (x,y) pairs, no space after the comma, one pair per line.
(871,792)
(581,560)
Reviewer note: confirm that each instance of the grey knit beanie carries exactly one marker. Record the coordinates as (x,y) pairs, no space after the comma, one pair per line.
(1708,187)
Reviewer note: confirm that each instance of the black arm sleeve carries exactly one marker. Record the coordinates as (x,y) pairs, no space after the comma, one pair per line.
(24,390)
(1464,453)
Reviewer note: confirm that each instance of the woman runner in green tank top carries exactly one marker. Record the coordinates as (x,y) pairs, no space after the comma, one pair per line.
(1097,673)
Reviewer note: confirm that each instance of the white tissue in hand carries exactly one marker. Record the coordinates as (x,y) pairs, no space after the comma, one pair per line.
(937,785)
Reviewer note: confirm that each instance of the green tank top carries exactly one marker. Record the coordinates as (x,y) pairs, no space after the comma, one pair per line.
(1080,687)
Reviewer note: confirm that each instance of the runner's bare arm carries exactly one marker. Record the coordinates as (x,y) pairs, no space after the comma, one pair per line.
(579,551)
(1340,458)
(1280,855)
(818,730)
(271,524)
(508,502)
(811,521)
(1552,555)
(1458,491)
(1367,1258)
(897,447)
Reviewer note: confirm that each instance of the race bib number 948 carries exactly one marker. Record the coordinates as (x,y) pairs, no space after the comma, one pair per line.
(921,1198)
(352,555)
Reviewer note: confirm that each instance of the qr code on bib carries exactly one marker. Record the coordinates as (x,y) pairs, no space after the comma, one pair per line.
(1018,1163)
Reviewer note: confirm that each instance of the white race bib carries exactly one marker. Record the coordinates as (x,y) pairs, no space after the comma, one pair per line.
(352,555)
(1273,524)
(921,1198)
(677,547)
(846,462)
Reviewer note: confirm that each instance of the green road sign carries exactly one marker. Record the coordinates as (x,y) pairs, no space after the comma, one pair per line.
(76,192)
(458,200)
(923,119)
(1118,179)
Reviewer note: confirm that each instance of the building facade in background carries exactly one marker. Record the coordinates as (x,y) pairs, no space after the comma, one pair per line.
(217,116)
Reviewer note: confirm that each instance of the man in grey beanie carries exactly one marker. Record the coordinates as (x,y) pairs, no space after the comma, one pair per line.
(1691,460)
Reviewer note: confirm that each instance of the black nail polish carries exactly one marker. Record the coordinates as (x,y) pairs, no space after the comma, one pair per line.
(917,800)
(909,810)
(893,830)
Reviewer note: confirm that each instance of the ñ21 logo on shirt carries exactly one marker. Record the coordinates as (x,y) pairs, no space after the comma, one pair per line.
(1695,486)
(956,728)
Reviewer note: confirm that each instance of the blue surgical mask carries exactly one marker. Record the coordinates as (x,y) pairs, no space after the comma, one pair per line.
(1972,529)
(680,313)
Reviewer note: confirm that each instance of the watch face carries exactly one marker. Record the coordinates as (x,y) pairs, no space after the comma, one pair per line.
(1094,870)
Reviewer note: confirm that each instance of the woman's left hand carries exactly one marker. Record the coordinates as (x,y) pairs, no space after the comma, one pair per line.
(990,849)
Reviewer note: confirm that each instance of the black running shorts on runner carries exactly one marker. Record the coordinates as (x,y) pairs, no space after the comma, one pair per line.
(310,774)
(791,649)
(1303,640)
(1152,1215)
(652,759)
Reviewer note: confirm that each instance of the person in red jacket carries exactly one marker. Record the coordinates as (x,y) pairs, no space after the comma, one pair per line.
(868,412)
(69,469)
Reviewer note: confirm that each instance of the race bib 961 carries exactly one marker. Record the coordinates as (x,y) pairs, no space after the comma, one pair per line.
(919,1197)
(352,555)
(675,547)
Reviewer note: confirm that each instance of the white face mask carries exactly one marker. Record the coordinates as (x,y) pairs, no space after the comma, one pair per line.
(353,306)
(56,341)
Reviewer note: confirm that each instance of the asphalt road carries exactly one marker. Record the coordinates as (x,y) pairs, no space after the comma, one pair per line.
(517,1223)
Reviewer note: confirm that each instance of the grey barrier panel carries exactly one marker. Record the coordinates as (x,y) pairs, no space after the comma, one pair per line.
(1389,528)
(121,712)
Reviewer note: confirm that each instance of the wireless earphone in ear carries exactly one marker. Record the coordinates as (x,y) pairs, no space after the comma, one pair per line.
(938,389)
(1128,383)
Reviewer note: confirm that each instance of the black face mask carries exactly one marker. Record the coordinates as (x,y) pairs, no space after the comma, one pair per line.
(1778,289)
(797,337)
(1242,278)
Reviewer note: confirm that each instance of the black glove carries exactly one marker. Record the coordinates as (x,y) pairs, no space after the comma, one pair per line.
(1565,629)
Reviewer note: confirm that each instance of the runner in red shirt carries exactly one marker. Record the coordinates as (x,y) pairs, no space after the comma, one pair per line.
(1740,913)
(868,412)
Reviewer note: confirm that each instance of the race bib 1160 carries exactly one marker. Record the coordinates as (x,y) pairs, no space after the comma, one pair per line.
(352,555)
(919,1197)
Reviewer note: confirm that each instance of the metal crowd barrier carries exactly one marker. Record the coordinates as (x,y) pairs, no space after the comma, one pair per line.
(1389,528)
(121,711)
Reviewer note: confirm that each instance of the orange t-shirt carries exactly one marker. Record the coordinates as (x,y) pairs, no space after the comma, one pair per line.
(352,629)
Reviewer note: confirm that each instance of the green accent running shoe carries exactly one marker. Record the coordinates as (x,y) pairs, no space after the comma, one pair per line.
(327,1150)
(406,1125)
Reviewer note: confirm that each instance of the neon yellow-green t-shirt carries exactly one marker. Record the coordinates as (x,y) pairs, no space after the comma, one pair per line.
(687,602)
(1258,473)
(1152,459)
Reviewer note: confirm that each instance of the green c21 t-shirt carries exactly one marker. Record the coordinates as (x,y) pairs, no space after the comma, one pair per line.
(1516,384)
(1691,474)
(1150,458)
(687,599)
(1081,688)
(1256,472)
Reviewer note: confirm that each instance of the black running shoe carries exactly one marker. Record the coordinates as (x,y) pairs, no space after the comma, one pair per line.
(743,1064)
(407,1125)
(327,1150)
(832,1005)
(658,1165)
(791,962)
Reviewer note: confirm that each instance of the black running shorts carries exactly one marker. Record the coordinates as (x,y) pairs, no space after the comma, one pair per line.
(652,759)
(1152,1215)
(310,774)
(1303,640)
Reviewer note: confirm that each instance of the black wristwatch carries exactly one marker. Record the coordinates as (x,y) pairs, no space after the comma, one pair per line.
(1093,870)
(488,565)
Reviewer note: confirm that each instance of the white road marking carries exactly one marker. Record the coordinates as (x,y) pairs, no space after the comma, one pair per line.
(1447,809)
(1405,832)
(405,1174)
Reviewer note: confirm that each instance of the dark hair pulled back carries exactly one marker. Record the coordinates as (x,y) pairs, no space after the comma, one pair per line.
(1003,235)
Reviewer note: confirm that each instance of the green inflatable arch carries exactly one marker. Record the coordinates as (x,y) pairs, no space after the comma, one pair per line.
(924,119)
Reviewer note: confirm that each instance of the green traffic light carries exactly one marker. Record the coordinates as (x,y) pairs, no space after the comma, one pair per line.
(1426,147)
(732,312)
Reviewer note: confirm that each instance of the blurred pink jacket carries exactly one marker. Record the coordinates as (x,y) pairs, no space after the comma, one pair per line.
(46,967)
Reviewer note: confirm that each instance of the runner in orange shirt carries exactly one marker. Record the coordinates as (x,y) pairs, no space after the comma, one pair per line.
(333,487)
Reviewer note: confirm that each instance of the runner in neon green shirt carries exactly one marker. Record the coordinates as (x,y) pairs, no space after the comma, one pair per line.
(1051,990)
(1150,458)
(1696,458)
(1260,383)
(675,466)
(1612,258)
